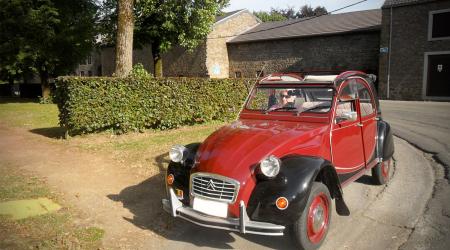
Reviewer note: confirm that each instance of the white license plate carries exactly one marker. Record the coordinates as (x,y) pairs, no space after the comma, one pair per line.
(210,207)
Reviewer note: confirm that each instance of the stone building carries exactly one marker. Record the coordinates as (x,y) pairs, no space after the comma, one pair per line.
(415,41)
(210,59)
(331,43)
(91,66)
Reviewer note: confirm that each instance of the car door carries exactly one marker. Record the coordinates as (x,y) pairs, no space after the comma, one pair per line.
(368,121)
(346,136)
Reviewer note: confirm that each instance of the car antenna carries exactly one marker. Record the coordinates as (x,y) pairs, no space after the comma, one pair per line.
(251,90)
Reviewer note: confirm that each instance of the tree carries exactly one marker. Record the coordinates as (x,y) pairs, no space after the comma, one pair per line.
(164,23)
(124,44)
(50,37)
(308,11)
(290,13)
(271,16)
(15,61)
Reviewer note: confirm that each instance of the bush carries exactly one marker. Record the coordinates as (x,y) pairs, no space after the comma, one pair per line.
(90,104)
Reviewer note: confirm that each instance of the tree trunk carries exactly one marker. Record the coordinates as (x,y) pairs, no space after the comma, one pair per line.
(124,43)
(44,85)
(157,60)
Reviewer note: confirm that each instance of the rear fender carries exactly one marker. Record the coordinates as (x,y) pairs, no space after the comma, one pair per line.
(385,142)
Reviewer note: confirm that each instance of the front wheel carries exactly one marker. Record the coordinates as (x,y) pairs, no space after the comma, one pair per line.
(310,230)
(381,172)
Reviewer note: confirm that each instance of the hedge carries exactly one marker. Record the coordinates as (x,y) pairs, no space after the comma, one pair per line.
(91,104)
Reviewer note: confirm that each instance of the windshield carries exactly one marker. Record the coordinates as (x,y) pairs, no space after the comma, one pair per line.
(293,99)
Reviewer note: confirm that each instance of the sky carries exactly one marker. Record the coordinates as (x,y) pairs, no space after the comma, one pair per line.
(330,5)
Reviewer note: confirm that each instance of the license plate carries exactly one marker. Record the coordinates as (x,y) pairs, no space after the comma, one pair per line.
(210,207)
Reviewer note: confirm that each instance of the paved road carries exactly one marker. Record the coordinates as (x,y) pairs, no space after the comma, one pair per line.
(427,125)
(424,124)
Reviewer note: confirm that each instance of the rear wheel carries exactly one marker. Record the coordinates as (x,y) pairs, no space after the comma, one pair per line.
(310,230)
(381,172)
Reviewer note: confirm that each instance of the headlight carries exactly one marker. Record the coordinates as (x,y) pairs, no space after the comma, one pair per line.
(177,153)
(270,166)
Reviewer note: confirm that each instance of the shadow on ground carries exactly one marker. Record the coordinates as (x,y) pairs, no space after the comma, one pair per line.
(365,179)
(7,99)
(54,132)
(143,200)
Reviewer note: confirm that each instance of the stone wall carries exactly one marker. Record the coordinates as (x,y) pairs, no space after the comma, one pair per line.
(143,56)
(181,62)
(209,59)
(355,51)
(217,61)
(408,46)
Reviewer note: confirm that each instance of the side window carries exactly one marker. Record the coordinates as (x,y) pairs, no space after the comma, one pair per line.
(365,100)
(345,101)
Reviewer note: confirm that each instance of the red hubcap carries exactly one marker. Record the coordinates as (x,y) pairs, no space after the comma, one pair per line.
(317,223)
(385,168)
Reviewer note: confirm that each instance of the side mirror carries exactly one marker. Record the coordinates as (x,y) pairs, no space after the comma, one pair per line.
(347,116)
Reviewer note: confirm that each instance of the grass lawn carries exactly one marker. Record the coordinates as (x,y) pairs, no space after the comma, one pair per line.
(141,152)
(49,231)
(28,113)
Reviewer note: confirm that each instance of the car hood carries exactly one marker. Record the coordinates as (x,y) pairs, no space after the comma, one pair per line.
(235,150)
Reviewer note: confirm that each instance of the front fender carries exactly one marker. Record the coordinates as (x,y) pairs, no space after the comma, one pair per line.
(293,182)
(181,172)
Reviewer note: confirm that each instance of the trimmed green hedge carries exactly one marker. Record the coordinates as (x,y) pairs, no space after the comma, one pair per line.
(90,104)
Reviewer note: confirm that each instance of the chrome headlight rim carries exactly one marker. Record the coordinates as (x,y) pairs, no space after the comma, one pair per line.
(178,153)
(270,166)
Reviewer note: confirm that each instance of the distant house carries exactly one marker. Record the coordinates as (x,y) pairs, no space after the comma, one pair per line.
(338,42)
(91,66)
(415,41)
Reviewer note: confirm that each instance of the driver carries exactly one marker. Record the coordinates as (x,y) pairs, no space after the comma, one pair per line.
(284,100)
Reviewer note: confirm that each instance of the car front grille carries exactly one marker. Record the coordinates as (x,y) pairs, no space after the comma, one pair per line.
(215,187)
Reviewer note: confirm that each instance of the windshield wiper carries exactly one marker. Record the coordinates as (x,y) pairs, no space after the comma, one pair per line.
(280,108)
(312,108)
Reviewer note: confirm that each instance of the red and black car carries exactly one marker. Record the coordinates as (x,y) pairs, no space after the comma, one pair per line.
(297,142)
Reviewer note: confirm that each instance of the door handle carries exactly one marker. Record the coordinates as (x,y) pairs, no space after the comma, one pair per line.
(359,124)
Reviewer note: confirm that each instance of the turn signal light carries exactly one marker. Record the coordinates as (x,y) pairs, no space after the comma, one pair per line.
(282,203)
(170,179)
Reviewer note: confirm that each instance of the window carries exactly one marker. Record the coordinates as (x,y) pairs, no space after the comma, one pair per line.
(81,73)
(89,73)
(365,100)
(295,99)
(259,73)
(237,74)
(89,60)
(346,99)
(438,25)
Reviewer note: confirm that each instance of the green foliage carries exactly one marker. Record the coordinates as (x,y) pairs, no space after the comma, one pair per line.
(290,13)
(46,37)
(139,71)
(269,16)
(133,104)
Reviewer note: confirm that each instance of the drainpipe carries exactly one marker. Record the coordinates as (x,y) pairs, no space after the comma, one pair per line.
(389,55)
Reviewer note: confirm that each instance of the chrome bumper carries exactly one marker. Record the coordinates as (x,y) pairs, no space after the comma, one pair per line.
(242,224)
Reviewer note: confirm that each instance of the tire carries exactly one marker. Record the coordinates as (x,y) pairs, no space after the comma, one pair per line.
(306,234)
(381,172)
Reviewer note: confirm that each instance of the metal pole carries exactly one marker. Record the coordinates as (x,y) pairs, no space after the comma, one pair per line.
(389,55)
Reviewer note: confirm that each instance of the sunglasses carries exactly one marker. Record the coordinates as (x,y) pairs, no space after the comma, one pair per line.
(285,96)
